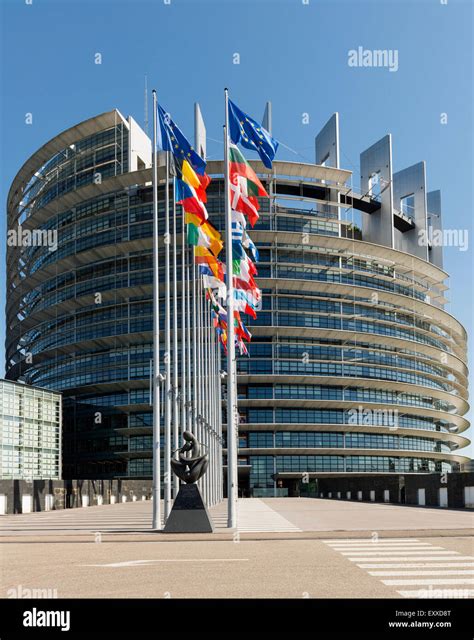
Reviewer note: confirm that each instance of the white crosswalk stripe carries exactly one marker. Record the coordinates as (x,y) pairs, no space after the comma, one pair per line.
(411,558)
(365,540)
(437,593)
(448,572)
(430,581)
(433,551)
(416,565)
(408,562)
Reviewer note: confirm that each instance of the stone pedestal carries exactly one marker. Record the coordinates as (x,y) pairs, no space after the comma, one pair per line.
(189,513)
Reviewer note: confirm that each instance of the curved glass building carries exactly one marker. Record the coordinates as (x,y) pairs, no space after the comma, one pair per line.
(355,366)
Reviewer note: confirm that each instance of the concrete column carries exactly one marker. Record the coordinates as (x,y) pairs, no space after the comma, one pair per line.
(26,503)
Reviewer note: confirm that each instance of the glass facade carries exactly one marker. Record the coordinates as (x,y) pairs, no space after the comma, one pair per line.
(30,433)
(348,352)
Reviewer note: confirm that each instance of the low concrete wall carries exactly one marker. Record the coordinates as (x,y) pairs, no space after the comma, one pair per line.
(403,489)
(69,493)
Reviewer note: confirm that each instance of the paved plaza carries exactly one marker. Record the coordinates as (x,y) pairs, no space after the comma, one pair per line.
(272,515)
(284,548)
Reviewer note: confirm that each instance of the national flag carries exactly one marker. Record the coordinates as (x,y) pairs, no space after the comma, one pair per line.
(242,305)
(195,183)
(251,135)
(196,237)
(247,270)
(245,204)
(215,239)
(242,330)
(245,285)
(205,235)
(170,138)
(192,218)
(192,204)
(253,298)
(245,276)
(239,218)
(239,167)
(237,232)
(242,348)
(205,270)
(189,175)
(202,256)
(182,191)
(217,307)
(204,183)
(238,252)
(246,302)
(248,244)
(214,283)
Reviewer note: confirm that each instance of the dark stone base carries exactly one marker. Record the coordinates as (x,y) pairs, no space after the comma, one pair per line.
(189,513)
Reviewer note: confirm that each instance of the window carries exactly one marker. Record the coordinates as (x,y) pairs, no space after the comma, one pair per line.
(374,185)
(407,205)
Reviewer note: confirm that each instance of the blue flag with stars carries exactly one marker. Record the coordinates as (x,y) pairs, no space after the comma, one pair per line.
(251,135)
(170,138)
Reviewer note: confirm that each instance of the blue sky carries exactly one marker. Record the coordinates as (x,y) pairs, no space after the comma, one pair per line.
(292,53)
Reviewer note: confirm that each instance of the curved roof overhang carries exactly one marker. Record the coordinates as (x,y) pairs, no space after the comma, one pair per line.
(58,143)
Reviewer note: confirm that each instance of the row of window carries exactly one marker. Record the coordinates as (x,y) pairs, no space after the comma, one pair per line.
(366,416)
(288,439)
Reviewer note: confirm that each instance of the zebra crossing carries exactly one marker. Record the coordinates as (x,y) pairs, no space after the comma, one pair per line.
(422,569)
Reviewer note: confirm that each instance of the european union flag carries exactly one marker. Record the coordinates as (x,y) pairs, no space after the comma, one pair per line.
(171,138)
(251,135)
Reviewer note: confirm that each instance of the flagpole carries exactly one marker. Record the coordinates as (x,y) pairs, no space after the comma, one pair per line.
(202,485)
(213,406)
(195,369)
(189,415)
(168,392)
(210,396)
(198,373)
(219,423)
(218,411)
(156,521)
(184,382)
(208,403)
(176,416)
(232,489)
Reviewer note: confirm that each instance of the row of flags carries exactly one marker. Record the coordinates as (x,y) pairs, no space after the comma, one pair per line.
(191,182)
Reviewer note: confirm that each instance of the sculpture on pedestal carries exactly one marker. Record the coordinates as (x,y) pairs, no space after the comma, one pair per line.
(190,468)
(189,513)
